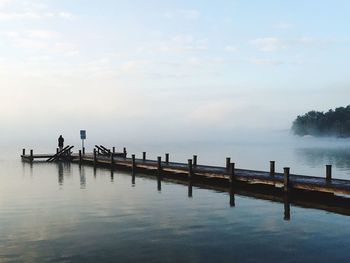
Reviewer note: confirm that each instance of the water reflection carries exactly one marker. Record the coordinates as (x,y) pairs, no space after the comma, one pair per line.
(63,168)
(315,157)
(190,185)
(133,177)
(286,207)
(60,173)
(232,197)
(159,183)
(82,177)
(112,176)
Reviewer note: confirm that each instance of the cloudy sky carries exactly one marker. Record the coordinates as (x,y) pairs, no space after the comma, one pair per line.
(187,65)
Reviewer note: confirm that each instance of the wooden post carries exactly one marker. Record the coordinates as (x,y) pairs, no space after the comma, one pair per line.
(95,157)
(232,173)
(143,156)
(194,160)
(328,172)
(31,156)
(57,150)
(112,161)
(124,151)
(80,158)
(167,157)
(23,152)
(133,163)
(159,165)
(286,179)
(113,150)
(190,169)
(83,150)
(272,168)
(228,161)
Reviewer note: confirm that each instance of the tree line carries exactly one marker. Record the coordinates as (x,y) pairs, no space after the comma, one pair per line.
(331,123)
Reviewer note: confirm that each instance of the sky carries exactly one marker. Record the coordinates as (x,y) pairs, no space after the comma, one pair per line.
(185,68)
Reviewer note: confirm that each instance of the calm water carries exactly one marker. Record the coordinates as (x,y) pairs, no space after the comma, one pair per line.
(60,212)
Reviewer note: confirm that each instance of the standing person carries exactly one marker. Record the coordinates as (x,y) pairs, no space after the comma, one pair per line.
(60,142)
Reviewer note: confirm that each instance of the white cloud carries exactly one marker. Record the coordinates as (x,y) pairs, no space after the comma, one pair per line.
(188,14)
(4,3)
(231,49)
(269,44)
(41,40)
(25,10)
(272,62)
(45,34)
(183,43)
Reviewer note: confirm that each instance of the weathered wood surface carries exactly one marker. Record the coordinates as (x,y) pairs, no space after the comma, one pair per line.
(302,182)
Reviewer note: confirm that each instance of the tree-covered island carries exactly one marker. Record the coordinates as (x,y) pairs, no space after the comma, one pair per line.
(331,123)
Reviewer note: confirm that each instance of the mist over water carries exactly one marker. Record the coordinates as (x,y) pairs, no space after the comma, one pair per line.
(249,149)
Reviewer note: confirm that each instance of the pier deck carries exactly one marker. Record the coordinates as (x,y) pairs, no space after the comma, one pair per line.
(230,175)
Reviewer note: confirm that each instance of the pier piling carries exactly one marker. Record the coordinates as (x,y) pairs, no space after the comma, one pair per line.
(328,172)
(167,157)
(190,169)
(112,161)
(83,150)
(159,165)
(228,161)
(80,157)
(31,156)
(286,179)
(194,160)
(133,163)
(143,156)
(23,152)
(95,158)
(272,168)
(231,173)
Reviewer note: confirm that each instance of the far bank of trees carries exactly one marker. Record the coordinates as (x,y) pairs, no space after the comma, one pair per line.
(331,123)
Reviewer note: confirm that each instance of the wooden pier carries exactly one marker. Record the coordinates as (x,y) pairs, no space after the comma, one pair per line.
(228,174)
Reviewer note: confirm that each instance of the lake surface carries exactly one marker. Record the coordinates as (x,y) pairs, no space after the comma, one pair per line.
(66,213)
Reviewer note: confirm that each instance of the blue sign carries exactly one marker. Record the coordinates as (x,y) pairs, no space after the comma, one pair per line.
(83,134)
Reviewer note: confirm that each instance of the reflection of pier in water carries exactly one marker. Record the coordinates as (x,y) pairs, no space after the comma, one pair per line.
(304,191)
(323,201)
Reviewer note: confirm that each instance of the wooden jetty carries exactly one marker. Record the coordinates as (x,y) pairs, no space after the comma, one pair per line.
(228,173)
(305,191)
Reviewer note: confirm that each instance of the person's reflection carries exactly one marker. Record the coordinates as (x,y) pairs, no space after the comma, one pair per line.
(82,177)
(60,173)
(286,207)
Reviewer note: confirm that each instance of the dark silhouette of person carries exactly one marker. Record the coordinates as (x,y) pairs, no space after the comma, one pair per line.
(60,142)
